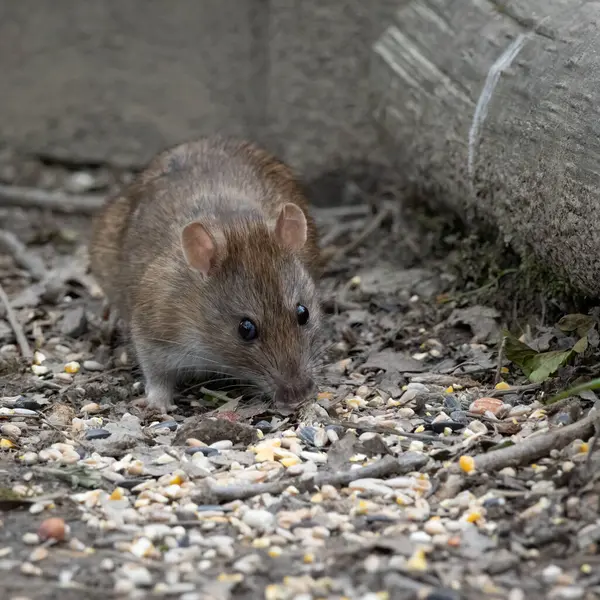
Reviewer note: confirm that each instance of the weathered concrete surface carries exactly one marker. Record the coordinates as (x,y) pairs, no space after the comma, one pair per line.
(494,110)
(117,81)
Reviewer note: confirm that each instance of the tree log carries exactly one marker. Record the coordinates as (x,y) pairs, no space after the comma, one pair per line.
(493,109)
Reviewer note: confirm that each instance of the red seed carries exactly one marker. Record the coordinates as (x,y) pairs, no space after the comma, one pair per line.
(54,528)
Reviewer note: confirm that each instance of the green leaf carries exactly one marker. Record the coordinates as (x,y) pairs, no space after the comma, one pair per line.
(594,384)
(580,324)
(517,352)
(581,346)
(537,366)
(546,363)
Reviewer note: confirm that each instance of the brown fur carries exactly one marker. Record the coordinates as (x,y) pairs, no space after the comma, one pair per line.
(237,190)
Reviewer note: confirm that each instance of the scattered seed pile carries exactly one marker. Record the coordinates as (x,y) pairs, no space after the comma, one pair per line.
(427,467)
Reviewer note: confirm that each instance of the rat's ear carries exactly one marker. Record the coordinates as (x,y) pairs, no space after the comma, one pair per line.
(199,247)
(291,228)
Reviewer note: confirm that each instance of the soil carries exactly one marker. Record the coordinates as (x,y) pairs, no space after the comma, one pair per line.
(411,346)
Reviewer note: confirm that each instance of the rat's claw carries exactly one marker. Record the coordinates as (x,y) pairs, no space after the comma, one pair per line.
(156,401)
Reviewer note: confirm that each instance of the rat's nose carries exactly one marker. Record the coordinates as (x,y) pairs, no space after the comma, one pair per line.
(289,396)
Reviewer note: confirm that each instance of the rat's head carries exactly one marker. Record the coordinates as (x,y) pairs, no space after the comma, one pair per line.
(254,304)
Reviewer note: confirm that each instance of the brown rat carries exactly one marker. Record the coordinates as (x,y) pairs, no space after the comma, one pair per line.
(210,256)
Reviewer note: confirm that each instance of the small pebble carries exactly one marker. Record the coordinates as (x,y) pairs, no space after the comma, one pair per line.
(10,430)
(97,434)
(170,425)
(264,426)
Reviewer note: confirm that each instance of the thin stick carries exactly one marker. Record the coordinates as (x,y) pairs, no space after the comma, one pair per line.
(531,449)
(16,326)
(373,225)
(13,246)
(516,389)
(58,201)
(388,465)
(217,395)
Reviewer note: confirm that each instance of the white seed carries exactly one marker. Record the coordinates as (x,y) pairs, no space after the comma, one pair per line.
(29,569)
(31,539)
(40,553)
(222,445)
(39,370)
(164,459)
(137,574)
(263,520)
(92,365)
(91,408)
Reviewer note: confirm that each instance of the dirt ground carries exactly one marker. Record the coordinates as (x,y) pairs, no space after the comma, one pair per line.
(383,488)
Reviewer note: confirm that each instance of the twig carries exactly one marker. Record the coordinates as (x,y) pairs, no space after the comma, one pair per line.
(16,326)
(336,213)
(388,465)
(217,395)
(516,389)
(373,225)
(57,201)
(531,449)
(13,246)
(498,375)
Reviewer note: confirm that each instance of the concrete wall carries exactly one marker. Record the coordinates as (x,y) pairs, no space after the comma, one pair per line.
(116,81)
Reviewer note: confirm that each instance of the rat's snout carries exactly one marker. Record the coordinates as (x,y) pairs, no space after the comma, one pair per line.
(290,395)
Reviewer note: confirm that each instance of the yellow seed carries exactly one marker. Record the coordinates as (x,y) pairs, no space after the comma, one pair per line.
(309,558)
(274,551)
(259,434)
(383,595)
(504,370)
(449,390)
(176,479)
(72,367)
(290,461)
(420,429)
(585,568)
(6,444)
(317,498)
(417,562)
(116,495)
(584,448)
(324,396)
(362,507)
(273,592)
(355,280)
(502,385)
(265,454)
(230,577)
(262,542)
(472,517)
(467,463)
(38,358)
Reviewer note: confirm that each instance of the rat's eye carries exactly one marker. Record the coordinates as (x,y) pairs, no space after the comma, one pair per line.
(247,330)
(302,314)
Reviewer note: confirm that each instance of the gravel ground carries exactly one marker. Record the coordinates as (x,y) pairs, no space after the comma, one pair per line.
(385,487)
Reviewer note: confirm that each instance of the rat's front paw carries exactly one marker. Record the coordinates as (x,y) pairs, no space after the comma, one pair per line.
(156,400)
